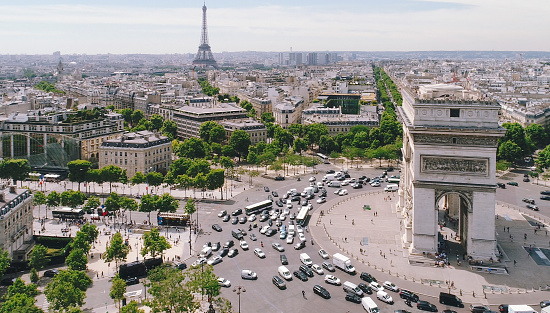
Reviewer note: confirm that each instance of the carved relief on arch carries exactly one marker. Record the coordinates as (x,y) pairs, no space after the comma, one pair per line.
(467,195)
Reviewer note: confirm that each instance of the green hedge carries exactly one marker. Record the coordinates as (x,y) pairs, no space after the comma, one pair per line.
(53,242)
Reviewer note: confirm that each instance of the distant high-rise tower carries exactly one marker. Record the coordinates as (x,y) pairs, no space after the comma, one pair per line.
(204,56)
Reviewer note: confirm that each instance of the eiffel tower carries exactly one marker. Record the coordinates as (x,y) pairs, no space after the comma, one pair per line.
(204,57)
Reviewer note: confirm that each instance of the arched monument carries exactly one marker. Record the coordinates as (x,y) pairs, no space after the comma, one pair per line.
(449,163)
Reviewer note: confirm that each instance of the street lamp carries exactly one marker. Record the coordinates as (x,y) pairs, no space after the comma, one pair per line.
(239,290)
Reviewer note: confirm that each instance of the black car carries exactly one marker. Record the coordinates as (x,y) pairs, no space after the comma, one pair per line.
(478,308)
(340,178)
(279,203)
(357,186)
(242,220)
(217,227)
(300,275)
(263,218)
(351,297)
(279,178)
(328,266)
(545,197)
(543,304)
(279,282)
(318,290)
(367,277)
(366,289)
(216,246)
(232,253)
(223,252)
(503,308)
(512,183)
(501,185)
(229,244)
(180,266)
(270,232)
(306,270)
(299,245)
(448,311)
(226,218)
(51,273)
(532,207)
(303,203)
(330,172)
(284,260)
(274,193)
(296,198)
(426,306)
(545,192)
(132,281)
(266,189)
(237,212)
(408,295)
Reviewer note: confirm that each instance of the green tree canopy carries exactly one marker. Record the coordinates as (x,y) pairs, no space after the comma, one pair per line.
(169,129)
(153,243)
(131,307)
(118,289)
(78,171)
(72,198)
(154,179)
(92,203)
(67,289)
(39,198)
(14,169)
(240,141)
(76,260)
(138,178)
(156,122)
(20,303)
(37,257)
(112,174)
(169,290)
(116,250)
(211,131)
(510,151)
(267,117)
(19,287)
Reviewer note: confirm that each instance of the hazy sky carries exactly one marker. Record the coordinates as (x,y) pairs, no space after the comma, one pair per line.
(170,26)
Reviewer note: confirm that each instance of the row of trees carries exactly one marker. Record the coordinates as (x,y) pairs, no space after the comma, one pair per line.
(134,120)
(14,169)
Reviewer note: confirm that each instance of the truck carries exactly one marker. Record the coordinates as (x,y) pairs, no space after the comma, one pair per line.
(545,310)
(308,190)
(330,177)
(391,188)
(369,305)
(522,308)
(343,262)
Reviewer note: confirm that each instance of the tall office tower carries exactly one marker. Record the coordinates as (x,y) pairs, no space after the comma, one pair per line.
(204,57)
(312,58)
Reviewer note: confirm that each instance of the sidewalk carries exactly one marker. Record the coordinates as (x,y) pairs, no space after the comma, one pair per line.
(373,241)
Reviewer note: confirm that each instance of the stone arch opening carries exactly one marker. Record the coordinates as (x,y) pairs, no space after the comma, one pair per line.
(453,217)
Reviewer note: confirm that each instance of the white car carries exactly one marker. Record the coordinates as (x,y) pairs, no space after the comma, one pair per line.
(333,280)
(375,184)
(244,244)
(289,239)
(317,269)
(344,183)
(264,229)
(215,260)
(274,216)
(289,204)
(390,286)
(299,229)
(224,282)
(248,274)
(376,286)
(259,253)
(384,297)
(277,246)
(320,184)
(337,191)
(312,178)
(323,254)
(343,192)
(286,211)
(301,237)
(198,262)
(222,213)
(252,218)
(322,200)
(282,217)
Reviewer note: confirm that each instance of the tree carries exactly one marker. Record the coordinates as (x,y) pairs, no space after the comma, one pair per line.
(72,198)
(138,178)
(153,243)
(299,145)
(118,289)
(34,275)
(314,132)
(211,131)
(215,179)
(39,198)
(156,122)
(516,134)
(91,232)
(297,130)
(267,117)
(137,116)
(180,166)
(327,143)
(169,129)
(361,140)
(113,202)
(184,181)
(80,243)
(148,203)
(240,141)
(111,174)
(543,158)
(67,289)
(166,203)
(154,179)
(202,279)
(37,257)
(192,148)
(509,151)
(536,135)
(20,303)
(128,204)
(19,287)
(77,260)
(198,166)
(117,250)
(78,171)
(131,307)
(15,169)
(169,291)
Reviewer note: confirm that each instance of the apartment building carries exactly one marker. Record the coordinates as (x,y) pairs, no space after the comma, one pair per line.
(16,222)
(256,130)
(189,118)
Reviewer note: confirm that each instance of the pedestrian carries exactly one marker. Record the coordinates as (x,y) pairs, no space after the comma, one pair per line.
(504,228)
(304,294)
(353,222)
(525,236)
(508,228)
(345,217)
(372,221)
(330,222)
(515,262)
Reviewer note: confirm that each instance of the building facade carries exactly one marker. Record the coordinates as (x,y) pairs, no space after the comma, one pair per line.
(189,119)
(256,130)
(16,222)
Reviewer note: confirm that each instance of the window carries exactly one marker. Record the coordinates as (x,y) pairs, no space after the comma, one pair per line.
(455,112)
(454,140)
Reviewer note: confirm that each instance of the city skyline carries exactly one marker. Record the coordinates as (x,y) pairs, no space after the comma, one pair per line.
(171,27)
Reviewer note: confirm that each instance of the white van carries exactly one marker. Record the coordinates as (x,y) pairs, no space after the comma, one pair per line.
(369,305)
(305,259)
(284,272)
(334,183)
(291,230)
(289,204)
(384,296)
(206,252)
(352,288)
(391,187)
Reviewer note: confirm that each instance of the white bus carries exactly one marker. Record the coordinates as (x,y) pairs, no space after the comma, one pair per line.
(258,207)
(323,158)
(303,216)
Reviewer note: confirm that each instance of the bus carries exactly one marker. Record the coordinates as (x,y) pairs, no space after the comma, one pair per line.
(303,216)
(258,207)
(323,158)
(172,219)
(68,213)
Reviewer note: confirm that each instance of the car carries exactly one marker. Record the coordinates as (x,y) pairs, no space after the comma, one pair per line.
(330,172)
(345,182)
(309,196)
(532,207)
(279,203)
(375,184)
(248,274)
(224,282)
(512,183)
(207,244)
(321,200)
(390,286)
(132,281)
(283,259)
(243,232)
(338,191)
(180,266)
(222,213)
(275,194)
(528,200)
(295,198)
(384,297)
(270,232)
(503,308)
(228,244)
(343,192)
(307,270)
(243,244)
(357,186)
(545,197)
(242,220)
(279,178)
(501,185)
(301,237)
(376,286)
(367,277)
(264,229)
(328,266)
(478,308)
(215,260)
(253,237)
(426,306)
(251,218)
(303,203)
(234,220)
(526,179)
(300,275)
(263,218)
(237,212)
(196,263)
(292,216)
(286,196)
(277,246)
(317,269)
(266,189)
(543,304)
(270,197)
(51,273)
(340,178)
(259,253)
(318,290)
(216,246)
(283,235)
(279,282)
(223,252)
(365,288)
(351,297)
(226,218)
(233,253)
(323,254)
(282,217)
(217,228)
(289,240)
(408,295)
(545,192)
(333,280)
(299,245)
